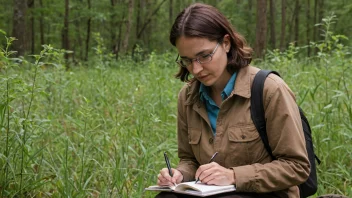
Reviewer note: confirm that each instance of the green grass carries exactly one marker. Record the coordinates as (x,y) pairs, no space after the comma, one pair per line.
(100,131)
(90,131)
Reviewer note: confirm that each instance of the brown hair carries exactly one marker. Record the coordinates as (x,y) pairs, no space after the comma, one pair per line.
(201,20)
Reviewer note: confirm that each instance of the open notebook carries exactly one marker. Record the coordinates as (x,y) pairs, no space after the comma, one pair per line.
(198,189)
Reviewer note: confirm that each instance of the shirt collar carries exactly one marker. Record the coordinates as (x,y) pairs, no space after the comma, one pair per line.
(229,86)
(204,90)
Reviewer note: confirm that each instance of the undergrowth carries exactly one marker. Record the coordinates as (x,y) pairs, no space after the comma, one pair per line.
(100,130)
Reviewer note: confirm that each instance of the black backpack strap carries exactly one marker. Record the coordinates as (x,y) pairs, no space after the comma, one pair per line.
(306,128)
(257,107)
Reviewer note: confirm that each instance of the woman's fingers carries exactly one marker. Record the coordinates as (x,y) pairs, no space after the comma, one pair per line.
(164,178)
(213,173)
(177,176)
(203,172)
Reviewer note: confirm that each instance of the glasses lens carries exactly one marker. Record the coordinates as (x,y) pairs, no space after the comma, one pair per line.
(205,58)
(185,62)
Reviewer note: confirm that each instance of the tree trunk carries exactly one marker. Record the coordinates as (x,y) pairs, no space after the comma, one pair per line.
(315,34)
(113,25)
(119,36)
(272,24)
(88,30)
(78,44)
(118,45)
(31,42)
(139,10)
(297,8)
(291,26)
(41,24)
(171,18)
(128,25)
(249,16)
(65,31)
(308,27)
(19,27)
(283,25)
(261,28)
(321,16)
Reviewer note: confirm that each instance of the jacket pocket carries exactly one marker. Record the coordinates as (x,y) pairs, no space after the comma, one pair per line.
(243,145)
(243,134)
(194,135)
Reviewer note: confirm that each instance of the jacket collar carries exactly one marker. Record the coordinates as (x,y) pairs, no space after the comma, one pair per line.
(242,86)
(243,83)
(192,92)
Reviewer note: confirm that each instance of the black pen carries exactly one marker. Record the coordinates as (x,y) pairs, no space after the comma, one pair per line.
(168,165)
(211,160)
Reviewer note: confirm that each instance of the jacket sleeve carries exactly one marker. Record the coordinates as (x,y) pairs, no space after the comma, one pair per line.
(188,164)
(286,139)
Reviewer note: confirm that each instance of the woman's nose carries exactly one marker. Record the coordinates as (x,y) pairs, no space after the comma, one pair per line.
(196,67)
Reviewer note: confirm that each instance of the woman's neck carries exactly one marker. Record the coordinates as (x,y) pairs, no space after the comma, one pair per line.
(217,88)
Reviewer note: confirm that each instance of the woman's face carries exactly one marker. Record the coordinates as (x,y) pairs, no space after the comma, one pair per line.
(212,73)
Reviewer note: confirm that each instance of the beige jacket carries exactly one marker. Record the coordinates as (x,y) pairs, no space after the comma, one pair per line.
(237,140)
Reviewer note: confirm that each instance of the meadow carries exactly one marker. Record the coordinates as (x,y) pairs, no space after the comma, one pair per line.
(100,130)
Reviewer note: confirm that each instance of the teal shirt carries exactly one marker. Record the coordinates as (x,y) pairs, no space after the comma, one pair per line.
(210,105)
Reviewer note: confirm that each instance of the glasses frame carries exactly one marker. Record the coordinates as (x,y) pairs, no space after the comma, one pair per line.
(197,58)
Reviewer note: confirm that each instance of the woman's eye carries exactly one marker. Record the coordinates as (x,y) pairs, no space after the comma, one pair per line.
(185,61)
(205,56)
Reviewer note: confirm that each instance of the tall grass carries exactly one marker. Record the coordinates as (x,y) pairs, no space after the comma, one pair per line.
(322,84)
(100,130)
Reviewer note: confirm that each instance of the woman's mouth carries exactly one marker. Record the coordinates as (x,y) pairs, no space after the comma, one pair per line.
(202,78)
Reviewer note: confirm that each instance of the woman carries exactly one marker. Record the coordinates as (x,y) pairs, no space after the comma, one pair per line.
(214,113)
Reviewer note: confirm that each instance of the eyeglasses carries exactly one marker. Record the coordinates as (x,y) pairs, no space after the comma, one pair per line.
(185,62)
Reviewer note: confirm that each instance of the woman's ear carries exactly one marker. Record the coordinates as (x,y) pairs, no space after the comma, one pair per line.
(227,43)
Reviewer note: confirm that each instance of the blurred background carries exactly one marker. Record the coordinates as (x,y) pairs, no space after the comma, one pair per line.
(142,26)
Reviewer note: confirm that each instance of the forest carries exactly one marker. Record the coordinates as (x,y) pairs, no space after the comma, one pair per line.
(142,26)
(88,101)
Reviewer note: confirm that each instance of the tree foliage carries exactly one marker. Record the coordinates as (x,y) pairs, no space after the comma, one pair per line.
(126,25)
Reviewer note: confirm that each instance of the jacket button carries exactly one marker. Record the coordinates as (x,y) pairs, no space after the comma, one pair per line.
(243,137)
(211,140)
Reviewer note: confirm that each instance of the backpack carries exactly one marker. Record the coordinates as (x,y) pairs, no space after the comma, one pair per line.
(310,186)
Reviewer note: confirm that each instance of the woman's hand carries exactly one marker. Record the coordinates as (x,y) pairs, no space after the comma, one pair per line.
(164,178)
(215,174)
